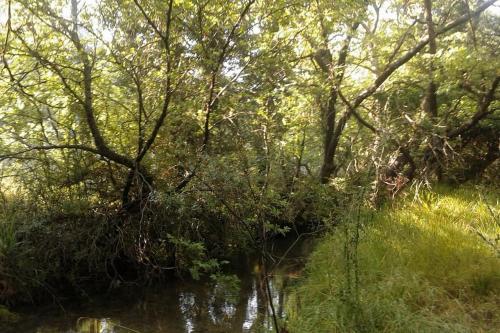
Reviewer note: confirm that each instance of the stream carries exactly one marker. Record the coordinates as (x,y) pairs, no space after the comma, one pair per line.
(184,306)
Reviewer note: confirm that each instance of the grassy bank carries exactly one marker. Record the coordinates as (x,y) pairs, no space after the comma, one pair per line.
(425,264)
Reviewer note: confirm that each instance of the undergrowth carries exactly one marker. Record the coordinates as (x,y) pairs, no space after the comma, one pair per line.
(77,245)
(428,263)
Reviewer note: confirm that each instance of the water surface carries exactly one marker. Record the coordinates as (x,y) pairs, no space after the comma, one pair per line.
(183,306)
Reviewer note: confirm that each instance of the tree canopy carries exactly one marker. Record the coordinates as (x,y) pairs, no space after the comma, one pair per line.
(150,93)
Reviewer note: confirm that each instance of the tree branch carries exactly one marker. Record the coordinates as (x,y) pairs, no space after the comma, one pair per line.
(393,66)
(212,96)
(48,147)
(168,93)
(151,23)
(482,111)
(356,115)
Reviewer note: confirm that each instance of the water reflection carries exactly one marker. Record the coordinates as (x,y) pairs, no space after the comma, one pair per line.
(180,307)
(105,325)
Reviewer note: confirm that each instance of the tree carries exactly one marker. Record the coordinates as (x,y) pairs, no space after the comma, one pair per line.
(86,64)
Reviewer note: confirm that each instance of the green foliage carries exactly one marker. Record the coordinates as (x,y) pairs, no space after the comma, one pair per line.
(139,138)
(421,269)
(193,255)
(226,287)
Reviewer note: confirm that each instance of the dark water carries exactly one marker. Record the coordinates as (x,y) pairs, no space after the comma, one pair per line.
(224,305)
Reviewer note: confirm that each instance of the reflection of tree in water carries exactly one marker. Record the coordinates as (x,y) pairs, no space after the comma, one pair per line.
(192,307)
(210,309)
(104,325)
(93,325)
(196,308)
(216,308)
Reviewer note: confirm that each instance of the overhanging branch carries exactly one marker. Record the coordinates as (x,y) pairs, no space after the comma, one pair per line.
(20,154)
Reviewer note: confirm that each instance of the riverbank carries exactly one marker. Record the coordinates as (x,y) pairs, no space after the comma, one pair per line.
(428,263)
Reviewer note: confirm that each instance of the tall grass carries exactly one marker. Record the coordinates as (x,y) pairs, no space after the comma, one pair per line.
(429,264)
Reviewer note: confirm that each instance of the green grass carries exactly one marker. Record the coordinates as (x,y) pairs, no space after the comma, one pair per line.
(429,264)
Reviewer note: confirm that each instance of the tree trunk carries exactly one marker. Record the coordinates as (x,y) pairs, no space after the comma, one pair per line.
(332,136)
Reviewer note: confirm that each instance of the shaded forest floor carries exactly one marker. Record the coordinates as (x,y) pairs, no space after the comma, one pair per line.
(428,263)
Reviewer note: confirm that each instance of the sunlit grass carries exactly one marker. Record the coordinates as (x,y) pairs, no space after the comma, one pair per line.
(425,265)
